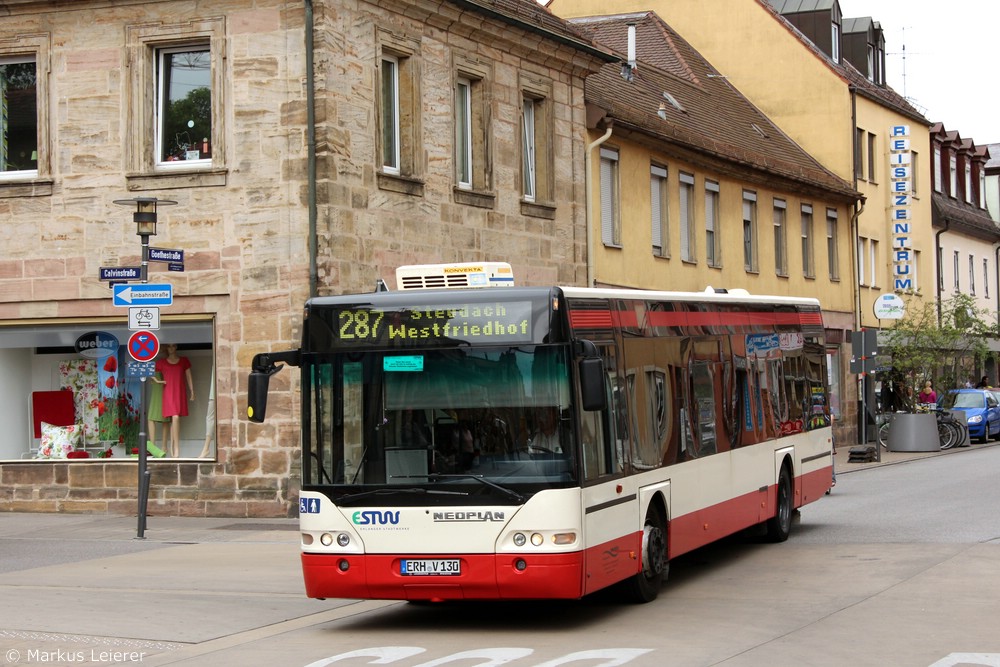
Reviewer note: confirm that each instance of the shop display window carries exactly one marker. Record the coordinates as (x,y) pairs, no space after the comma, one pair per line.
(72,391)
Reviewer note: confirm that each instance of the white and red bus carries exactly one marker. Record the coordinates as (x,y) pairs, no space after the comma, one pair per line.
(546,442)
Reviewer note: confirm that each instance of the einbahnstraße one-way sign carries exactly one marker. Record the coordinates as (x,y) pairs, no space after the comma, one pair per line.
(143,295)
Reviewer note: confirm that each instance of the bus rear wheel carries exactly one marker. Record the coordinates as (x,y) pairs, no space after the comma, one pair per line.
(645,585)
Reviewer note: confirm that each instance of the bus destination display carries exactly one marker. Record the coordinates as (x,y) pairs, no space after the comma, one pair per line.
(476,323)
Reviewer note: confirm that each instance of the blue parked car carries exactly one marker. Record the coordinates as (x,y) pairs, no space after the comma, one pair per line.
(981,408)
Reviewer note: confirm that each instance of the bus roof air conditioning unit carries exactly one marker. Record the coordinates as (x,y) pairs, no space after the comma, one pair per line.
(454,276)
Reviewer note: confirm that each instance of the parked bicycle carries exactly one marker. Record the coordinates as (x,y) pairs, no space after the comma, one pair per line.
(951,432)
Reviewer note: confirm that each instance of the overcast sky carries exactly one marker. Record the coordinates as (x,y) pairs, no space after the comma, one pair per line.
(945,42)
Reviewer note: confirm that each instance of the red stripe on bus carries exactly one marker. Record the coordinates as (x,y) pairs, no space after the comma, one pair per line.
(590,319)
(603,319)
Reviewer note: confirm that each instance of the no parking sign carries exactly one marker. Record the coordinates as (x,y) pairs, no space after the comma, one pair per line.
(143,346)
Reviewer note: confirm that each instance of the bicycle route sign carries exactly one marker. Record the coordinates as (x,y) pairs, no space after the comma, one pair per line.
(143,346)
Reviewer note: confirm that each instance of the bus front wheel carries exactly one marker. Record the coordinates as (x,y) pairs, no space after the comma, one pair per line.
(644,586)
(780,525)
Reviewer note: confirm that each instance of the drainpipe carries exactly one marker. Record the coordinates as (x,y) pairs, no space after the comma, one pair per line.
(937,263)
(311,146)
(587,159)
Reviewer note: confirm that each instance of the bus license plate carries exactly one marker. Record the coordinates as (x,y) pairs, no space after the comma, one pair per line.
(430,567)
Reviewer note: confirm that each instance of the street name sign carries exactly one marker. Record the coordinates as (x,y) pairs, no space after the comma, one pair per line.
(121,273)
(143,295)
(166,255)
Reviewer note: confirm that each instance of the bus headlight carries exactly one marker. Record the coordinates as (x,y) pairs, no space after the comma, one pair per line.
(343,539)
(326,539)
(537,539)
(564,538)
(519,539)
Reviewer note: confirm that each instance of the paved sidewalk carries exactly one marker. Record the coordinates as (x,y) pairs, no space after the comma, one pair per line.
(841,464)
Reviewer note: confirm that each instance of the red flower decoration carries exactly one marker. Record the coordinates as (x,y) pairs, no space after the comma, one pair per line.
(111,365)
(110,382)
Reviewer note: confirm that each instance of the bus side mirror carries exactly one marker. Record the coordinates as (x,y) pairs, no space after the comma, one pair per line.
(257,396)
(592,394)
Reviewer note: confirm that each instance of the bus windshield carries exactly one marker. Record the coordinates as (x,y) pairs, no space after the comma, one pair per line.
(441,418)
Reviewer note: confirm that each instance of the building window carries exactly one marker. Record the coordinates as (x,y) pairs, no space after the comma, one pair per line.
(953,181)
(750,231)
(686,205)
(832,253)
(658,201)
(954,268)
(914,173)
(862,246)
(528,166)
(972,276)
(986,279)
(399,106)
(611,232)
(982,186)
(808,263)
(463,133)
(872,162)
(859,150)
(915,270)
(18,117)
(780,244)
(713,250)
(184,105)
(835,41)
(968,182)
(177,83)
(873,248)
(937,169)
(390,115)
(871,62)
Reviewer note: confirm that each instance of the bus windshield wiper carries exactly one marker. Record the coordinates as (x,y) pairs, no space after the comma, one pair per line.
(380,492)
(510,493)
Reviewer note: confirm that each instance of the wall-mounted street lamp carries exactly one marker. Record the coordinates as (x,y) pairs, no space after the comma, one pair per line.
(145,223)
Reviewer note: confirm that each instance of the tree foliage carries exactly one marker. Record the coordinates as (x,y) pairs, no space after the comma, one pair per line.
(943,347)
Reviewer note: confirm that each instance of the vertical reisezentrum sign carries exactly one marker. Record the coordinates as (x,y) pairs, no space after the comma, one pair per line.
(901,176)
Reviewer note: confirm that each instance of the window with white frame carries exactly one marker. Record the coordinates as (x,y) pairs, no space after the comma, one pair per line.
(835,41)
(986,279)
(463,133)
(873,271)
(968,181)
(713,248)
(938,166)
(972,275)
(175,94)
(658,201)
(184,105)
(862,247)
(859,153)
(390,114)
(832,251)
(537,131)
(871,63)
(399,133)
(686,207)
(982,186)
(940,271)
(953,173)
(18,116)
(872,155)
(915,270)
(780,242)
(528,163)
(611,232)
(914,173)
(750,231)
(955,262)
(808,262)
